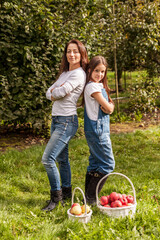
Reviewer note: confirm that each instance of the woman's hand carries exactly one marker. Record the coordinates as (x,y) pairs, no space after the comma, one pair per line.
(52,98)
(51,90)
(58,90)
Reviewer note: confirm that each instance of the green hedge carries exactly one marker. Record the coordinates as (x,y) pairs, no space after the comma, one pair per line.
(32,38)
(29,63)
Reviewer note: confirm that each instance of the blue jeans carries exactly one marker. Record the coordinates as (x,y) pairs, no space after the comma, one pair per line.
(63,128)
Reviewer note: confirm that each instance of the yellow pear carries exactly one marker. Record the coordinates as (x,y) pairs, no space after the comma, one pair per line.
(87,208)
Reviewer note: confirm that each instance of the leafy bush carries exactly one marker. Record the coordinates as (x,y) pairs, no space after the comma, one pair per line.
(29,63)
(143,97)
(33,35)
(32,38)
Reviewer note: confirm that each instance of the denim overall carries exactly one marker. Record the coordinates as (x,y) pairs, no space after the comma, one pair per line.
(97,133)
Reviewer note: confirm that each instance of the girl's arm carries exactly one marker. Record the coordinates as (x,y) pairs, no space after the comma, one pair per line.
(107,107)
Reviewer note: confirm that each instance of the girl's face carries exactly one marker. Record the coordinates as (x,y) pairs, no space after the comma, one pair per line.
(73,56)
(98,73)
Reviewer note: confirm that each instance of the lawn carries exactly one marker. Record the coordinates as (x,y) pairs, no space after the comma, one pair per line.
(24,189)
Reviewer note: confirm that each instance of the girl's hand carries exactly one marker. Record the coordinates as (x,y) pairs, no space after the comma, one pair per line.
(106,106)
(105,111)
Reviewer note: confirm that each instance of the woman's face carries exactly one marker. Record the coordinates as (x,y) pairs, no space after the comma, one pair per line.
(98,73)
(73,56)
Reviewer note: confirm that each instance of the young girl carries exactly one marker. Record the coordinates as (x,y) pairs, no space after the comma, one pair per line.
(98,106)
(64,93)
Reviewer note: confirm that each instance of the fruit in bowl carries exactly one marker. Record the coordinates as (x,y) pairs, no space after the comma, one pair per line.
(115,200)
(76,209)
(130,198)
(113,197)
(75,204)
(104,200)
(87,208)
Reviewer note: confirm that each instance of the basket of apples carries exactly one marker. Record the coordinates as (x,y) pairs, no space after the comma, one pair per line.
(116,204)
(77,212)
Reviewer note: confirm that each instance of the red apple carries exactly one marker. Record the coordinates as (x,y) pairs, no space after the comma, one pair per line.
(107,205)
(107,197)
(117,203)
(76,210)
(113,197)
(109,200)
(130,198)
(104,200)
(124,201)
(124,195)
(75,204)
(112,204)
(119,196)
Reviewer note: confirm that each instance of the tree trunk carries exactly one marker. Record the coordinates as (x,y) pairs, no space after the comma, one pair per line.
(125,81)
(119,76)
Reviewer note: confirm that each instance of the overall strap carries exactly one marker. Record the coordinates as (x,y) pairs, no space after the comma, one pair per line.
(101,113)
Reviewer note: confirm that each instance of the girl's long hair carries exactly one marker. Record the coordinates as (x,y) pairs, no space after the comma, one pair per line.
(94,62)
(64,67)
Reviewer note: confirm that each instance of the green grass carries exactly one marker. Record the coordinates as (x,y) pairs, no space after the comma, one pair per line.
(24,189)
(131,78)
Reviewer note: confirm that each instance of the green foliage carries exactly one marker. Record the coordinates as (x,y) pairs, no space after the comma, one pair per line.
(29,58)
(80,131)
(121,117)
(24,190)
(33,35)
(134,28)
(143,97)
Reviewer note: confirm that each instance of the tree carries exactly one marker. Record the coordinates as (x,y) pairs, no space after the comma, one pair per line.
(32,38)
(137,35)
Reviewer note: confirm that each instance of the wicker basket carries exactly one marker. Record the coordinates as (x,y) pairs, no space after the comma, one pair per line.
(84,218)
(119,211)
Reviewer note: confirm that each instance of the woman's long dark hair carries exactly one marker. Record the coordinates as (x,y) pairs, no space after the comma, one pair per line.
(84,56)
(94,62)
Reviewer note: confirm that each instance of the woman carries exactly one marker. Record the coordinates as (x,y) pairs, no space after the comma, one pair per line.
(65,93)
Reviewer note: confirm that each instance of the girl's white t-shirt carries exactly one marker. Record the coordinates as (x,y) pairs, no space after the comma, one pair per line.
(91,104)
(67,90)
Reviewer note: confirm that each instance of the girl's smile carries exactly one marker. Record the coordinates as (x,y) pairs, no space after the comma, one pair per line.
(98,73)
